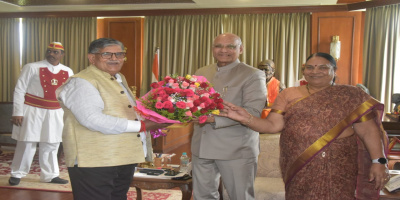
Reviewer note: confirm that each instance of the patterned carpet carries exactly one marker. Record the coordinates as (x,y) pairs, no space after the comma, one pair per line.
(31,181)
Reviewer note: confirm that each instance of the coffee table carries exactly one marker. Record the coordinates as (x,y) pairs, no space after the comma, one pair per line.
(154,183)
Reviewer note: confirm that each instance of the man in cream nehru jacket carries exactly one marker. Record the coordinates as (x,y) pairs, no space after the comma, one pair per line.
(38,117)
(103,136)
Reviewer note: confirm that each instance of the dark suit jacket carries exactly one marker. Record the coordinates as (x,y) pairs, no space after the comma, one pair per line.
(228,139)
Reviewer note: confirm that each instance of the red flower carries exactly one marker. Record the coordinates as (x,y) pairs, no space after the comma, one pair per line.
(204,85)
(212,105)
(161,83)
(194,109)
(202,119)
(203,111)
(169,90)
(218,100)
(154,85)
(205,100)
(220,106)
(215,95)
(188,92)
(166,79)
(196,102)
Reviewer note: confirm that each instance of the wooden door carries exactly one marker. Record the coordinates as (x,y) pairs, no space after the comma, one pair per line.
(348,26)
(130,32)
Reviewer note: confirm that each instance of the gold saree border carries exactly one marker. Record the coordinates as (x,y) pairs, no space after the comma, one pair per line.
(327,138)
(278,111)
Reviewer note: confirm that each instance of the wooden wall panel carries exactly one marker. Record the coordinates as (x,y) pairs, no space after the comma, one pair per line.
(130,32)
(347,25)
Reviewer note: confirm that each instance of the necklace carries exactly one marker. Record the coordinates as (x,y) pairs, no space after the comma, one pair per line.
(308,90)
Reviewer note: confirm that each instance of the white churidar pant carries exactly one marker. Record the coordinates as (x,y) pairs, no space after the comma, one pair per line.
(23,157)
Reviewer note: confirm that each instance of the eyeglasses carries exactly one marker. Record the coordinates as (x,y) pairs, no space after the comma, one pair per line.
(108,55)
(322,68)
(229,46)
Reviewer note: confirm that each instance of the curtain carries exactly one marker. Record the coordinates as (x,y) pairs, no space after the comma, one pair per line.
(9,57)
(382,53)
(283,38)
(185,42)
(75,33)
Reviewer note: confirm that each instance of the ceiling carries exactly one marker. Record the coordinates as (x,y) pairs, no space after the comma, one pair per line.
(112,5)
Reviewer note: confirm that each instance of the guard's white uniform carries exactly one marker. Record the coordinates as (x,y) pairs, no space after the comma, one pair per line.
(43,126)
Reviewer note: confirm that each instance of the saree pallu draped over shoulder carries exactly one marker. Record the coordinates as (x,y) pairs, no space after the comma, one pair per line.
(315,164)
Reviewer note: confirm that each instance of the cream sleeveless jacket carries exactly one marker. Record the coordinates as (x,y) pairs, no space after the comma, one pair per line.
(95,149)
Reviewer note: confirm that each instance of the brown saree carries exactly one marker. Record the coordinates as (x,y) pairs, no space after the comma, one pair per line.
(314,163)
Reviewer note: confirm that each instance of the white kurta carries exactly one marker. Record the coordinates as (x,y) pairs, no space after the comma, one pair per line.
(39,125)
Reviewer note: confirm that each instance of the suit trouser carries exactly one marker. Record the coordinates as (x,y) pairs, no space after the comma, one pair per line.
(101,183)
(237,175)
(23,157)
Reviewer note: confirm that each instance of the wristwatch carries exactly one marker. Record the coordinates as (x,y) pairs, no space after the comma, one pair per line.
(380,161)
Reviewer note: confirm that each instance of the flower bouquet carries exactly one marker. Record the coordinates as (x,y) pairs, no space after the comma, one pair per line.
(178,100)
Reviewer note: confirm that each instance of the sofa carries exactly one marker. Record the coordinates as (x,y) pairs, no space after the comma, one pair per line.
(6,109)
(268,184)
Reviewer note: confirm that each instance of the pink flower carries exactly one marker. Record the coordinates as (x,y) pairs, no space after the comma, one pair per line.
(206,95)
(175,85)
(212,91)
(189,104)
(159,105)
(178,98)
(188,113)
(185,84)
(181,104)
(195,97)
(202,119)
(161,93)
(168,105)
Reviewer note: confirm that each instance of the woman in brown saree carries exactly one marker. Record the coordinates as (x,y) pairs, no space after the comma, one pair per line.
(331,136)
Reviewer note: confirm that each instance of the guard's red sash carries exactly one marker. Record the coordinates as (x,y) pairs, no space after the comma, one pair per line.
(50,82)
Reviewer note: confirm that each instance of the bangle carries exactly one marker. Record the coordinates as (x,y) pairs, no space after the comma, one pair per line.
(249,120)
(142,127)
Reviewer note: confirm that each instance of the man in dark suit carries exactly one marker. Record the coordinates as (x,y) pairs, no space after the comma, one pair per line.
(223,147)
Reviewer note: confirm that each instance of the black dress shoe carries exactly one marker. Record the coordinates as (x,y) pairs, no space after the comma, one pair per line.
(14,181)
(58,180)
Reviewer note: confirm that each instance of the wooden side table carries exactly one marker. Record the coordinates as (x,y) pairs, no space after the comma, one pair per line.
(154,183)
(386,195)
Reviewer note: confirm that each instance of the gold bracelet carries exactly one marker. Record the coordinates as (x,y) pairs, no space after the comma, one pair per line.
(249,120)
